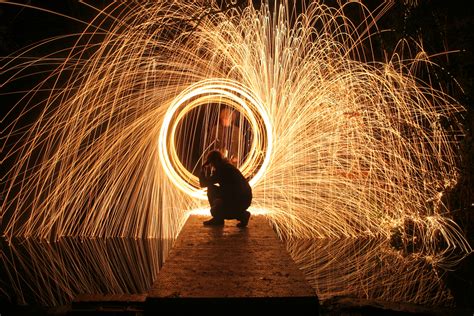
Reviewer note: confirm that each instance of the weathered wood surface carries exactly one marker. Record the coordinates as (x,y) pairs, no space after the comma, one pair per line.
(238,270)
(229,262)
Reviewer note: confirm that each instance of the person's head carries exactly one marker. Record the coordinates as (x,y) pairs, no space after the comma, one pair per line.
(226,117)
(214,158)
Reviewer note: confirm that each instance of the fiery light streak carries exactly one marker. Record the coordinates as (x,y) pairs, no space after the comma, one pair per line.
(214,91)
(369,268)
(351,148)
(53,274)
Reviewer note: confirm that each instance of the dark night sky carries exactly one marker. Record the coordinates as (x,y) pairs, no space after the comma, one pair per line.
(442,25)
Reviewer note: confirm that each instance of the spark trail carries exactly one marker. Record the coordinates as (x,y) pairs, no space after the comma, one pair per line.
(342,146)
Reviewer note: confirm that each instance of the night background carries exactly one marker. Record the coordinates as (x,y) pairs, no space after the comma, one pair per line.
(441,26)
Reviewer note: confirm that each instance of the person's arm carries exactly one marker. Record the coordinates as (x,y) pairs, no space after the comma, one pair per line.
(205,181)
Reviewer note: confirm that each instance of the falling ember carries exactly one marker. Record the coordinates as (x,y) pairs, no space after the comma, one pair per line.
(341,147)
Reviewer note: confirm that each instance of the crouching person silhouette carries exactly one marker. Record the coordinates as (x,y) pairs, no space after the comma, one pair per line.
(233,196)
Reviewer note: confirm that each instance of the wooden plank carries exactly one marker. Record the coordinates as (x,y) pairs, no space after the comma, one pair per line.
(227,265)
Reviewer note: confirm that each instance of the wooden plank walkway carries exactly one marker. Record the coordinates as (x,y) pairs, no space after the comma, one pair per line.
(215,271)
(236,268)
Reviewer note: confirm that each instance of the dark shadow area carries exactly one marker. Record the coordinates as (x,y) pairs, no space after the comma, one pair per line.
(237,306)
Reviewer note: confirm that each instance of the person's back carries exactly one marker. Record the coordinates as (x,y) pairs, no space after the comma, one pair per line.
(233,184)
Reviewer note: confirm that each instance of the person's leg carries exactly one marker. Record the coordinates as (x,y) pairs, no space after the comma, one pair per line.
(215,200)
(236,209)
(213,193)
(244,219)
(217,210)
(244,215)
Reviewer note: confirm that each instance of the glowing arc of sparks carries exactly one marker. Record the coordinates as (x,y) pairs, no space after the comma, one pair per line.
(234,91)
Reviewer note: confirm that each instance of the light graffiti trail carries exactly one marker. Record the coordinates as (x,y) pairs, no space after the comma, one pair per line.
(213,91)
(342,146)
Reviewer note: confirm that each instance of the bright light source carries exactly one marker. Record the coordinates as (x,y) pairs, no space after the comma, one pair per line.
(218,91)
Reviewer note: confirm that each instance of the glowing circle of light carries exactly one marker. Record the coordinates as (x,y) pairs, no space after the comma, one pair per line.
(225,91)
